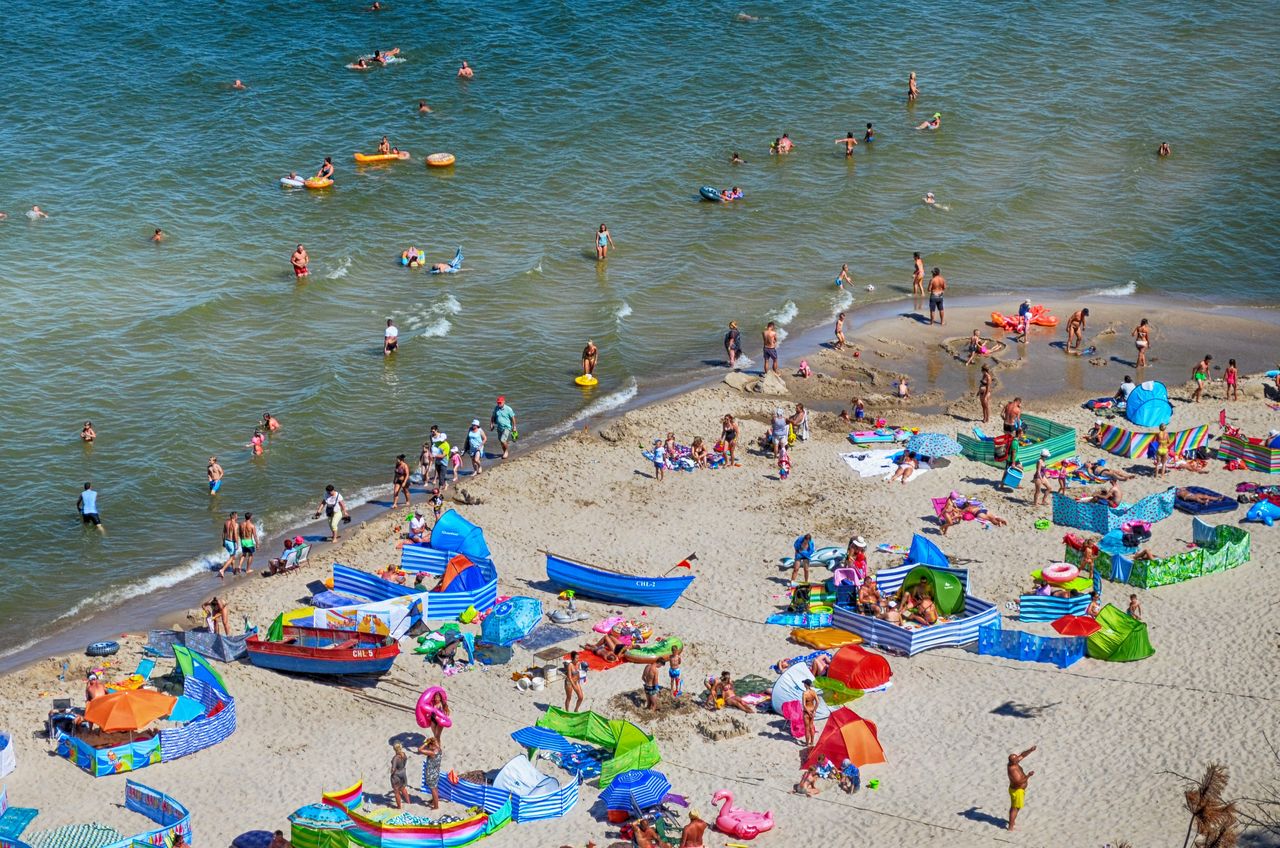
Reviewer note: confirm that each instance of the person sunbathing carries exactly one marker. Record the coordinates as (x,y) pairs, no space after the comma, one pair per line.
(730,696)
(950,517)
(608,647)
(1110,495)
(1196,497)
(808,784)
(922,611)
(906,467)
(1100,469)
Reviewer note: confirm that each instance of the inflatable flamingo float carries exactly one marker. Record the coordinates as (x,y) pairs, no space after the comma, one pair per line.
(738,822)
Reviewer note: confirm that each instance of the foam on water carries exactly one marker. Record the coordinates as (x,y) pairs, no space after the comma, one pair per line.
(841,301)
(621,312)
(613,400)
(344,267)
(1127,289)
(784,316)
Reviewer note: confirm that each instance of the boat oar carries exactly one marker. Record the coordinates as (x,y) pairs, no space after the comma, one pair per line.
(684,563)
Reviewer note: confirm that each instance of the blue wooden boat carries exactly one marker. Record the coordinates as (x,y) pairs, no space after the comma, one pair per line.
(316,650)
(592,582)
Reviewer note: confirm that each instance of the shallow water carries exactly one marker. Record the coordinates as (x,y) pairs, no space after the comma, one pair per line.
(577,116)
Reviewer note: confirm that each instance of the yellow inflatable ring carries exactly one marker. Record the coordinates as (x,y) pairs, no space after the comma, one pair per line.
(440,160)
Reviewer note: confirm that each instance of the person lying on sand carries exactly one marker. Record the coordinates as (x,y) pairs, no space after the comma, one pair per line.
(1099,468)
(952,514)
(724,691)
(906,467)
(608,647)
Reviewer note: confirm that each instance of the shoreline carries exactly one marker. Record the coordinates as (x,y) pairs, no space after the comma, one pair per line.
(170,605)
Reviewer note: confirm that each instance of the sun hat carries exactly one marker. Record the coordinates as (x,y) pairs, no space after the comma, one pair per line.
(1044,452)
(859,542)
(475,422)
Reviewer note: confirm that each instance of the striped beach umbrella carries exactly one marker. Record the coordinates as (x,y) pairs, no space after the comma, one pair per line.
(543,739)
(637,789)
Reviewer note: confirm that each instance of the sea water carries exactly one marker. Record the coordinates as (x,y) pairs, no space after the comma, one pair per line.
(118,119)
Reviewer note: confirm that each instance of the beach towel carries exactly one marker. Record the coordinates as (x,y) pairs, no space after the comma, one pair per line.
(871,463)
(15,821)
(921,469)
(545,636)
(595,662)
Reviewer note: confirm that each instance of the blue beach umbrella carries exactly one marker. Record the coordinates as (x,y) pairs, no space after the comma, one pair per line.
(511,620)
(638,789)
(543,739)
(933,444)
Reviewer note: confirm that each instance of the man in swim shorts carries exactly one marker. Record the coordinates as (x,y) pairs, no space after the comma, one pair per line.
(1075,328)
(937,288)
(390,339)
(87,504)
(248,542)
(299,261)
(673,671)
(503,420)
(215,473)
(649,677)
(230,542)
(1200,374)
(770,337)
(1011,414)
(1018,784)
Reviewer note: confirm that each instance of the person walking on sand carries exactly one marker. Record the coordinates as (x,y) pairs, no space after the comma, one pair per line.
(603,242)
(230,542)
(937,289)
(1201,375)
(575,676)
(1142,341)
(503,419)
(733,344)
(390,338)
(770,337)
(649,677)
(912,91)
(1075,328)
(1232,378)
(87,506)
(248,542)
(840,340)
(1011,415)
(984,392)
(399,779)
(849,143)
(431,770)
(1018,784)
(804,549)
(299,261)
(1135,608)
(475,446)
(809,702)
(590,355)
(400,481)
(917,279)
(843,277)
(215,474)
(334,508)
(1040,480)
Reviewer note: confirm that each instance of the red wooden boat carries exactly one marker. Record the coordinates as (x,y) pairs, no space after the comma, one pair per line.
(317,650)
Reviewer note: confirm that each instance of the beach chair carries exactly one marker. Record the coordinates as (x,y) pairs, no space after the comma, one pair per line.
(303,552)
(63,715)
(138,678)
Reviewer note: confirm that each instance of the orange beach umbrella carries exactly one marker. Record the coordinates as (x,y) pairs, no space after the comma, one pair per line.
(130,709)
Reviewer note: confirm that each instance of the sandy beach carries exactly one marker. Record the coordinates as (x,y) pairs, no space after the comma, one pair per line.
(1108,734)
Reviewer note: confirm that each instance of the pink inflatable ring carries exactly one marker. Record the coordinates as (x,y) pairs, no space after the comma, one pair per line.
(428,713)
(1060,572)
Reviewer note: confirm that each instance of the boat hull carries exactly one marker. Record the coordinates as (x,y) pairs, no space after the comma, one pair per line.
(313,650)
(591,582)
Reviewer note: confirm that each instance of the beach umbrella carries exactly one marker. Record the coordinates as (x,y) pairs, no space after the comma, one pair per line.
(543,739)
(1076,625)
(637,789)
(511,620)
(129,709)
(933,445)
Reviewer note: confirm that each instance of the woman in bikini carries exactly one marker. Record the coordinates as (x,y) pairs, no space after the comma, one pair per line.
(730,697)
(729,435)
(1163,440)
(1142,341)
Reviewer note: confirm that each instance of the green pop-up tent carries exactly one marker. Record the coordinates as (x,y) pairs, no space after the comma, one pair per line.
(1122,638)
(947,591)
(632,748)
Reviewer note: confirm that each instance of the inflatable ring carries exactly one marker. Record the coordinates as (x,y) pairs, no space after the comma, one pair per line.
(1060,572)
(440,160)
(102,649)
(429,715)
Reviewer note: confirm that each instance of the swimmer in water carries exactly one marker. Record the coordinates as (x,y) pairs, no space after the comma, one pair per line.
(87,433)
(849,143)
(238,86)
(158,235)
(929,199)
(381,56)
(360,64)
(465,72)
(299,261)
(870,135)
(293,176)
(384,146)
(270,423)
(912,91)
(744,18)
(376,7)
(326,170)
(35,213)
(1164,149)
(933,123)
(736,159)
(423,108)
(590,355)
(785,144)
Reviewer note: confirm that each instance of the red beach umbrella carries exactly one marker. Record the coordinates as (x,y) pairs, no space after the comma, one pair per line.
(1076,625)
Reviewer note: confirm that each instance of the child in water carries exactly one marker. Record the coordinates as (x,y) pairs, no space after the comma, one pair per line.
(256,442)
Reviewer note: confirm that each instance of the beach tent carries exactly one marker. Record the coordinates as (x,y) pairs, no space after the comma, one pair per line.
(1148,405)
(632,748)
(1122,638)
(847,735)
(790,687)
(319,826)
(8,759)
(947,590)
(454,533)
(924,552)
(194,665)
(858,668)
(522,779)
(461,575)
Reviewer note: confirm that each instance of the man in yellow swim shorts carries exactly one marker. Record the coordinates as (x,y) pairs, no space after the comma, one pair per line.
(1018,784)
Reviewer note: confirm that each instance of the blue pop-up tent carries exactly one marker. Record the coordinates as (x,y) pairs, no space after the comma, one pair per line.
(455,533)
(924,552)
(1148,405)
